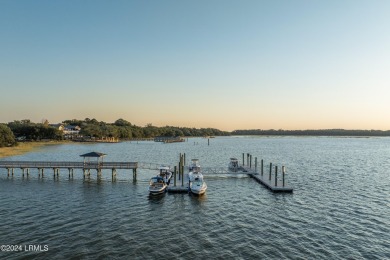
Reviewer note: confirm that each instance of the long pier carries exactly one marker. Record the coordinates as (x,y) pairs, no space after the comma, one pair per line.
(56,165)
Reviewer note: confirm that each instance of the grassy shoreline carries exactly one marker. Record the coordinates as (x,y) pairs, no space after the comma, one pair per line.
(25,147)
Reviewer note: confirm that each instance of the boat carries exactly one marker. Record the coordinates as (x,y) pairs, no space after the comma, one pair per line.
(157,185)
(197,184)
(233,166)
(165,173)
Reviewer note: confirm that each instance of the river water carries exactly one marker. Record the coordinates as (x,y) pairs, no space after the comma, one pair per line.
(339,209)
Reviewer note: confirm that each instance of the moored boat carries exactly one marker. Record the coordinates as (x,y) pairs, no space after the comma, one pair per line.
(197,184)
(157,185)
(233,166)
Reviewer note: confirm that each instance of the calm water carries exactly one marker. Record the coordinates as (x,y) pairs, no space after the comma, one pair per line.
(339,209)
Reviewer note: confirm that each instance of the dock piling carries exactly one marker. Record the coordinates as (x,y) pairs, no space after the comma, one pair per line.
(113,174)
(270,170)
(243,159)
(276,175)
(250,161)
(262,167)
(174,178)
(182,175)
(256,165)
(283,173)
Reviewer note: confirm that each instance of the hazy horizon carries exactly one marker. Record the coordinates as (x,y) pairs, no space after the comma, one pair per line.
(291,65)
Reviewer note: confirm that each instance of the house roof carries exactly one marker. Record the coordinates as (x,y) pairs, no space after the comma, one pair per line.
(93,154)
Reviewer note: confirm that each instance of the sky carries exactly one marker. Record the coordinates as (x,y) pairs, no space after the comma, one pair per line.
(210,63)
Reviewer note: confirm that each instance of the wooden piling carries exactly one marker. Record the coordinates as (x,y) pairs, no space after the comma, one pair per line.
(283,173)
(113,173)
(134,175)
(174,179)
(28,171)
(22,171)
(250,161)
(208,141)
(8,171)
(276,176)
(262,167)
(270,170)
(182,175)
(256,164)
(243,159)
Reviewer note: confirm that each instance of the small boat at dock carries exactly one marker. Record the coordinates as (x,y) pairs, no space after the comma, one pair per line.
(157,185)
(233,166)
(197,184)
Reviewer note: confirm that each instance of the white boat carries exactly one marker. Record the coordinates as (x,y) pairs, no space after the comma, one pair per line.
(197,184)
(233,166)
(157,185)
(165,173)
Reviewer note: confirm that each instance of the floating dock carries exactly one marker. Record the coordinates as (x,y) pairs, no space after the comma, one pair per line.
(271,184)
(182,185)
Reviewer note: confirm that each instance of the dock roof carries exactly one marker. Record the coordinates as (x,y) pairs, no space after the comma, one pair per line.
(93,154)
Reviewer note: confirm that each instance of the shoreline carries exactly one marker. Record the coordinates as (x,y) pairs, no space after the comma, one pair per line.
(26,147)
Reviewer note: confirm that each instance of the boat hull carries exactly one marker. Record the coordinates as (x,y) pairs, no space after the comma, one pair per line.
(157,191)
(198,190)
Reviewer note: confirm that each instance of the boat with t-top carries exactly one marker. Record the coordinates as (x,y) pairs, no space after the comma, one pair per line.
(234,166)
(166,173)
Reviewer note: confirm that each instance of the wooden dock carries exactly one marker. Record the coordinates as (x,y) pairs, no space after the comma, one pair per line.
(181,185)
(25,166)
(275,186)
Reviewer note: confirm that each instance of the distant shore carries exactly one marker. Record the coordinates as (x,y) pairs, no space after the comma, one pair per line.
(25,147)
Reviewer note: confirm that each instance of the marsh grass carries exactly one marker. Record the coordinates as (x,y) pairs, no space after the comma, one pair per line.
(24,147)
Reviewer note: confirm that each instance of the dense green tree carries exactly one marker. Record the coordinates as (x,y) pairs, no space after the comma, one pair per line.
(7,138)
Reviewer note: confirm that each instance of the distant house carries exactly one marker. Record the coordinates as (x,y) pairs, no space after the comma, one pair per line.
(71,131)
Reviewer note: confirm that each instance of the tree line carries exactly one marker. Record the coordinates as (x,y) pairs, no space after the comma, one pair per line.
(124,130)
(94,129)
(321,132)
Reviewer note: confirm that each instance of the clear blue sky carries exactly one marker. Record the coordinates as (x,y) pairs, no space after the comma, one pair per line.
(223,64)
